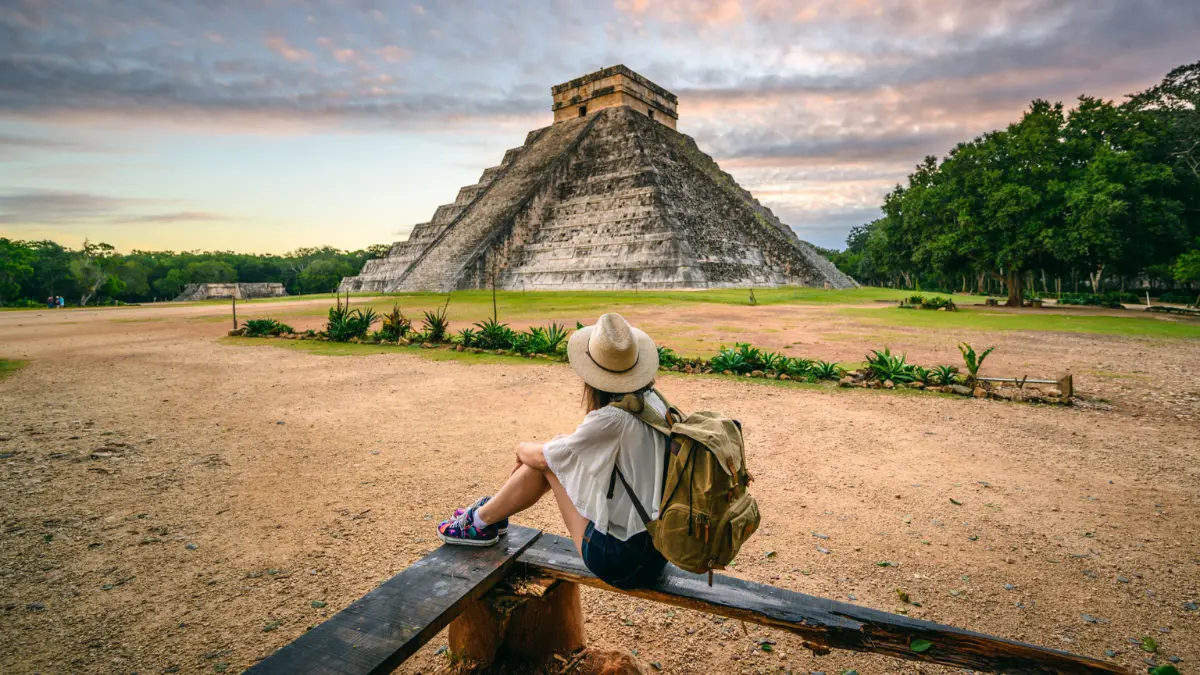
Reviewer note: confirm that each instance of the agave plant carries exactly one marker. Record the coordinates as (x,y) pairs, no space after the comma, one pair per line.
(264,327)
(826,370)
(774,361)
(667,358)
(973,361)
(436,325)
(921,375)
(395,325)
(751,355)
(797,367)
(944,374)
(938,302)
(344,324)
(467,337)
(730,360)
(494,335)
(556,337)
(915,300)
(887,366)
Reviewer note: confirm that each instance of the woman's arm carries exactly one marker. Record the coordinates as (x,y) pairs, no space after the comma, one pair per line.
(532,455)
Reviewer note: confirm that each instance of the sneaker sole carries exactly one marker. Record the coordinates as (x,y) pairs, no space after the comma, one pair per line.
(467,542)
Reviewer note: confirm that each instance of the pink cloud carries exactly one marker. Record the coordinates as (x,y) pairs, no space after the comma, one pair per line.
(281,47)
(393,53)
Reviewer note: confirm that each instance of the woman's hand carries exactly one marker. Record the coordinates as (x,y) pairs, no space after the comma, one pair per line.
(531,455)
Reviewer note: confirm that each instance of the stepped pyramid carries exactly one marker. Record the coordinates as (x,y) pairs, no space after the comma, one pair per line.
(609,196)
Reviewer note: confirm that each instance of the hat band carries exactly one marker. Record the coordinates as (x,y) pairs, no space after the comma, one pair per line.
(588,351)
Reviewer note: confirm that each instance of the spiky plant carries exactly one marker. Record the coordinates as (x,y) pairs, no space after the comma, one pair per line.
(494,335)
(973,361)
(667,358)
(556,337)
(826,370)
(466,337)
(798,367)
(395,325)
(436,325)
(944,374)
(887,366)
(730,360)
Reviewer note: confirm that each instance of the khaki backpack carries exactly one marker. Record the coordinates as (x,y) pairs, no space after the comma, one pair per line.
(707,512)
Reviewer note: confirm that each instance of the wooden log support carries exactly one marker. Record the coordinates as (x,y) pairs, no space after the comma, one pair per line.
(377,632)
(521,620)
(825,623)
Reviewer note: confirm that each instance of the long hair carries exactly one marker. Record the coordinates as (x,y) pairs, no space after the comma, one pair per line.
(595,399)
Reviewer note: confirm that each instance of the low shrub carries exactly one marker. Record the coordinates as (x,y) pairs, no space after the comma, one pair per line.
(436,325)
(887,366)
(395,325)
(826,370)
(943,375)
(973,361)
(494,335)
(344,324)
(265,327)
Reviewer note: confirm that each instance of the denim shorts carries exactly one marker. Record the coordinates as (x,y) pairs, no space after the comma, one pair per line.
(633,563)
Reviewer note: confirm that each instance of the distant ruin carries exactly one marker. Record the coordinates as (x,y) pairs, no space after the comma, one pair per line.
(228,291)
(609,196)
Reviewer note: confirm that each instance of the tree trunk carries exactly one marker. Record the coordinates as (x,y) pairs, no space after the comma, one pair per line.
(1014,289)
(1097,279)
(980,284)
(526,621)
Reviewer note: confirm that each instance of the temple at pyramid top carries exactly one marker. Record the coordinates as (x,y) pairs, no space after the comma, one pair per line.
(611,87)
(608,196)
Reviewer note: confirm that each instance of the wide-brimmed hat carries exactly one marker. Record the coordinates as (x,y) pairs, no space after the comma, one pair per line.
(613,356)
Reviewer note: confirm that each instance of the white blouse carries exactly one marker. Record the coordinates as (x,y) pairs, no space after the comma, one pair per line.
(583,463)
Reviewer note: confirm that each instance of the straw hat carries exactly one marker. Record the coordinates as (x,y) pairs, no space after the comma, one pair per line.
(613,356)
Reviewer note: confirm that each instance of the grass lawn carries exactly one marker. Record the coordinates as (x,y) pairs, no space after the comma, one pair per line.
(559,305)
(1137,324)
(10,366)
(348,349)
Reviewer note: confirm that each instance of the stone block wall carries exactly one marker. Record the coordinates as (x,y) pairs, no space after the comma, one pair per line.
(241,291)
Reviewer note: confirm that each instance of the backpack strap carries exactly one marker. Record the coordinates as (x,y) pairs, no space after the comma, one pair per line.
(635,404)
(637,504)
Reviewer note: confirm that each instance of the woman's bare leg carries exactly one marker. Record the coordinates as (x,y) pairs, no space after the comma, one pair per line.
(522,490)
(575,521)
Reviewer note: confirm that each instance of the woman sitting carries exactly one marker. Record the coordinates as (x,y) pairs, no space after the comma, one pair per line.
(612,358)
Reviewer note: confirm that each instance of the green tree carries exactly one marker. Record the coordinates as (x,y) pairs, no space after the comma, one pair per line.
(15,267)
(323,276)
(209,272)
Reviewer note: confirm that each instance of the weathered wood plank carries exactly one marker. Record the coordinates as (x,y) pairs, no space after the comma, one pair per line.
(824,622)
(377,632)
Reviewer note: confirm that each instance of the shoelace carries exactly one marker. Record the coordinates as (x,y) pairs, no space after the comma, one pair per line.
(463,521)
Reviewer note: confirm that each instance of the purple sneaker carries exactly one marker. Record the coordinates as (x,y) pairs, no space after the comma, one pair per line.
(503,525)
(461,531)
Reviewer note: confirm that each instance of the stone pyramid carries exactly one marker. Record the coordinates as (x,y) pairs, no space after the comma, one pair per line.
(610,196)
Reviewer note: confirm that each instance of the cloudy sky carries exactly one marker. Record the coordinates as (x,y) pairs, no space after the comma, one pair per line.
(264,125)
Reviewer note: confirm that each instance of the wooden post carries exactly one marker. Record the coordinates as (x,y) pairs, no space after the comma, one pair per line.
(235,310)
(521,620)
(1066,386)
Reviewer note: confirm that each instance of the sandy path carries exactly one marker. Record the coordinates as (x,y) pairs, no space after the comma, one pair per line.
(299,477)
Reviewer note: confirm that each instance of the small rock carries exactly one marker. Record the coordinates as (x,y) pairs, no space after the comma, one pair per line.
(1109,653)
(441,650)
(279,422)
(192,547)
(959,389)
(979,392)
(888,384)
(818,535)
(1123,580)
(823,550)
(35,607)
(1189,606)
(318,604)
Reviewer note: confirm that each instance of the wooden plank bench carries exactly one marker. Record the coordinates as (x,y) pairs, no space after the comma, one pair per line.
(378,632)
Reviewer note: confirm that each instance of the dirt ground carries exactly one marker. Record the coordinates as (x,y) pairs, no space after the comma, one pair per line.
(172,503)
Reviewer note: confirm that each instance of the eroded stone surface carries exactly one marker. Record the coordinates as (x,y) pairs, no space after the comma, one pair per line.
(266,289)
(610,200)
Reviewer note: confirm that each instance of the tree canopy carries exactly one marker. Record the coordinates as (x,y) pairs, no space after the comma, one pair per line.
(1099,191)
(32,271)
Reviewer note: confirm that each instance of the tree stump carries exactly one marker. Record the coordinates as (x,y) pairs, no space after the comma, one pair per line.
(520,620)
